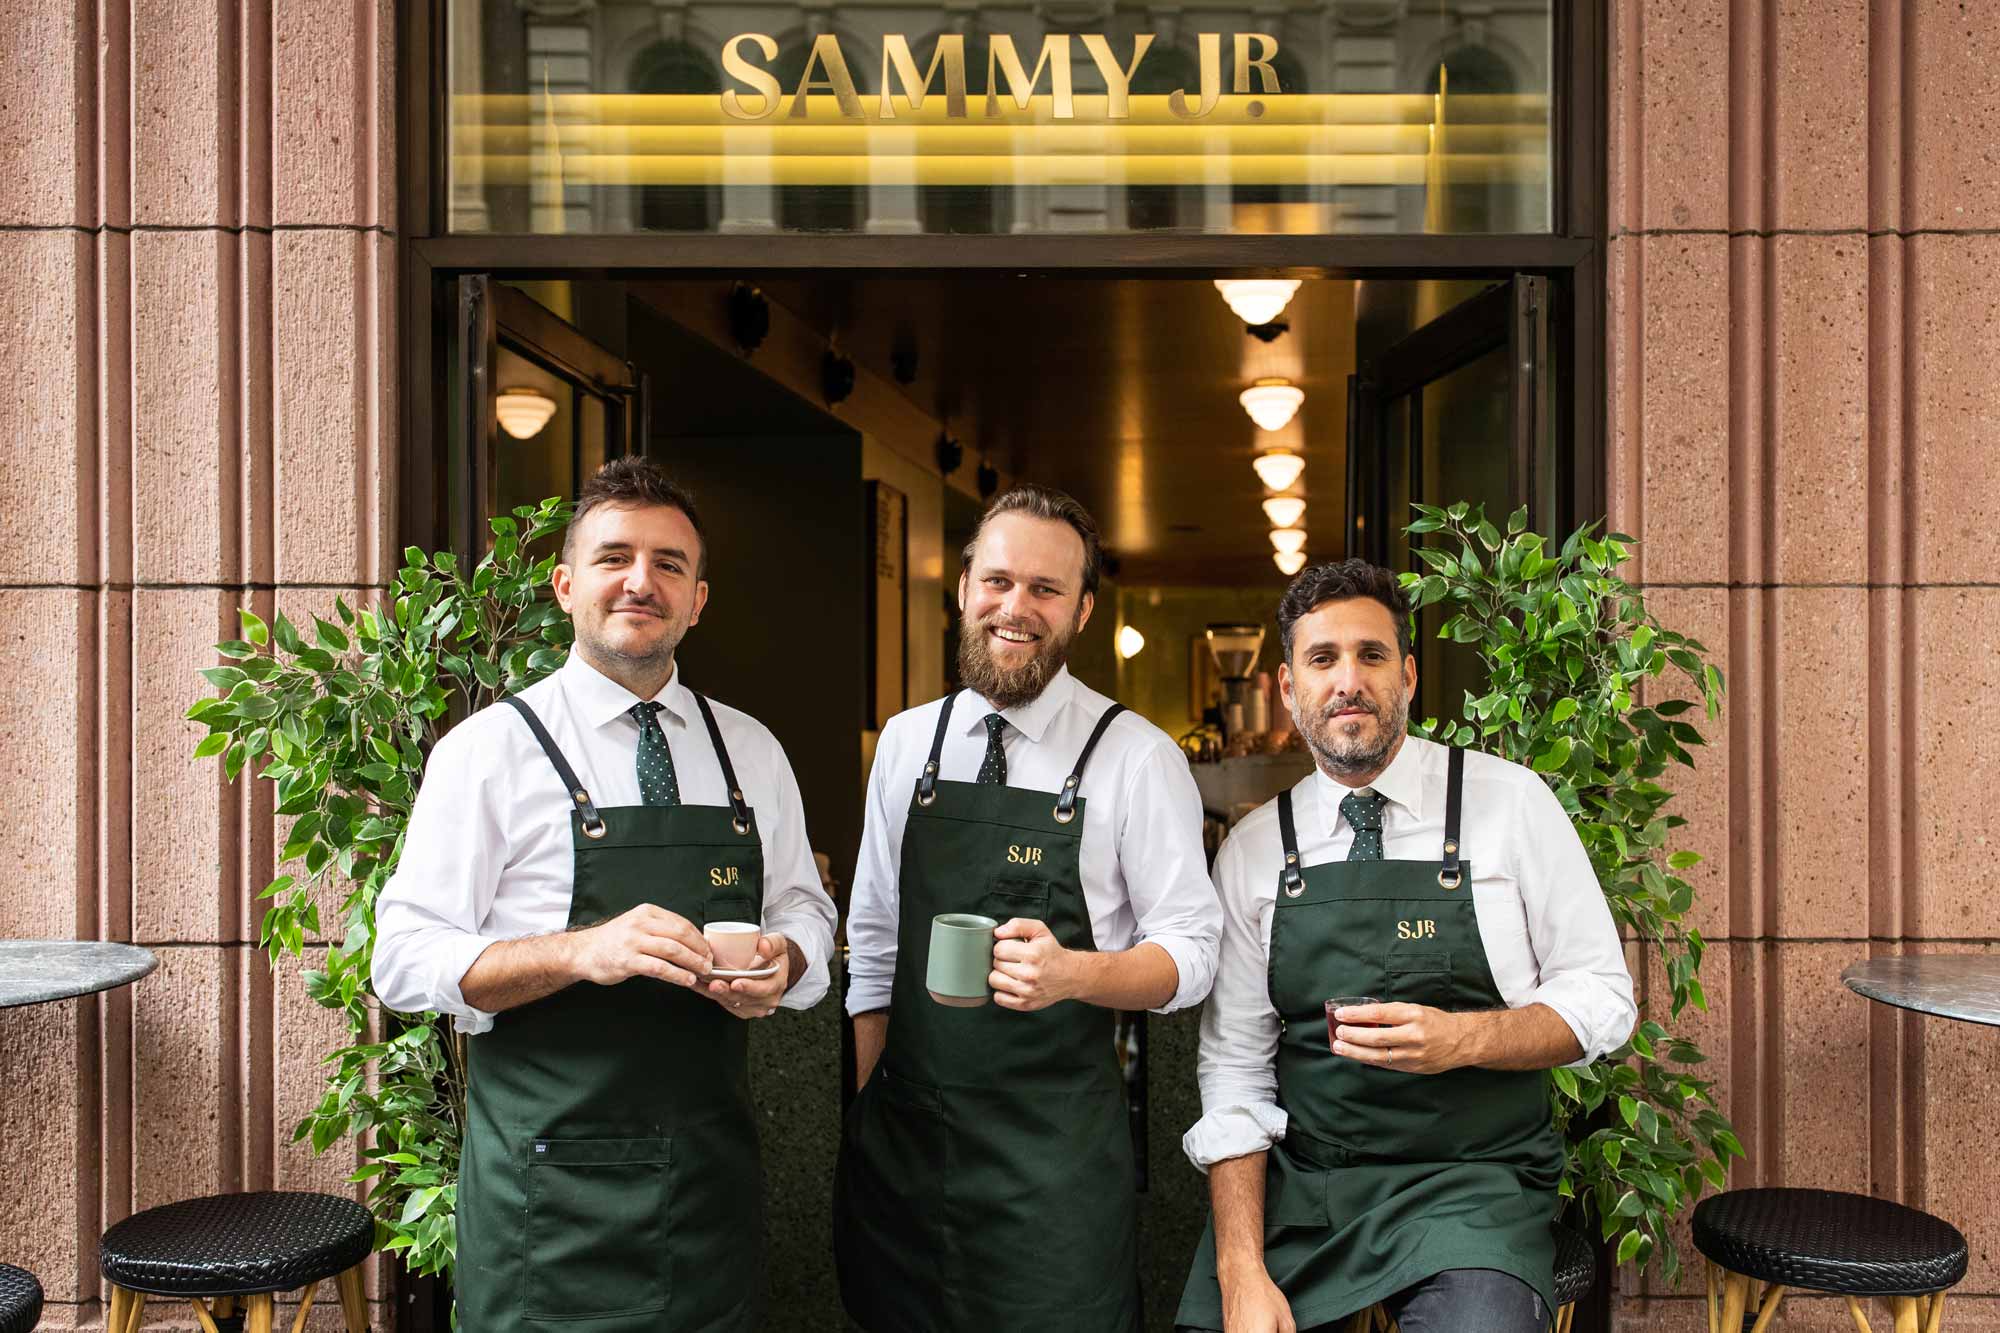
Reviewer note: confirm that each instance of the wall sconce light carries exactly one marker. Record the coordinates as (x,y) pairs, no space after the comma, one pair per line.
(749,316)
(1284,511)
(1130,642)
(1289,562)
(1272,403)
(1287,540)
(1257,300)
(836,377)
(523,412)
(950,453)
(1278,469)
(988,478)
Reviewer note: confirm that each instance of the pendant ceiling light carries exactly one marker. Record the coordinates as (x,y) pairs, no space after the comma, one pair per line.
(1290,562)
(1288,539)
(523,412)
(1257,300)
(1278,469)
(1272,403)
(1284,511)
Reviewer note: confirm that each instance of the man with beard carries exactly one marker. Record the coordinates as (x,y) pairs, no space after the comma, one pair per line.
(566,851)
(986,1179)
(1396,1147)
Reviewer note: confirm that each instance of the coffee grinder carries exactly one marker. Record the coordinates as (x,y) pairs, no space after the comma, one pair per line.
(1235,647)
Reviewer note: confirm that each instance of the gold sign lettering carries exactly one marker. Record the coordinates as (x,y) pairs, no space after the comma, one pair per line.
(826,53)
(1416,930)
(1210,47)
(1245,62)
(747,59)
(720,876)
(1024,856)
(761,81)
(1001,56)
(950,52)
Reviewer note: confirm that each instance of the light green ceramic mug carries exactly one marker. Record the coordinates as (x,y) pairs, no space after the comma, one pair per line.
(961,957)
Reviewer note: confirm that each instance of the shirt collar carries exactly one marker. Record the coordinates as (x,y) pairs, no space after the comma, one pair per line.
(1402,782)
(600,700)
(1033,718)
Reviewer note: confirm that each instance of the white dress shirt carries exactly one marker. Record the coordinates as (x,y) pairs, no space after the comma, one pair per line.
(1144,873)
(1548,935)
(489,854)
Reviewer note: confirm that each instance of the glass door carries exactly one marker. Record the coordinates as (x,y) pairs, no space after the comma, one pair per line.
(1461,408)
(538,406)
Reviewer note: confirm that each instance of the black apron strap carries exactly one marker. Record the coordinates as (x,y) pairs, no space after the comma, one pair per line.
(739,810)
(593,823)
(1292,880)
(927,784)
(1066,803)
(1449,875)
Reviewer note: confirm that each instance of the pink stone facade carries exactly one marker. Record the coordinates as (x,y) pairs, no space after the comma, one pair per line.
(1804,355)
(197,279)
(197,297)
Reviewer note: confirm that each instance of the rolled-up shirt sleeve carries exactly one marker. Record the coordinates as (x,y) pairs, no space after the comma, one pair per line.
(795,903)
(1165,871)
(1583,976)
(873,901)
(1237,1064)
(428,916)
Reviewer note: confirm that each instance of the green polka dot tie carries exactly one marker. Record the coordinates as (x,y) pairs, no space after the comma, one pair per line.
(657,785)
(1364,813)
(993,768)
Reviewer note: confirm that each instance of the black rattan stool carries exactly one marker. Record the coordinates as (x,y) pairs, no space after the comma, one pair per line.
(1825,1240)
(20,1300)
(1576,1270)
(233,1248)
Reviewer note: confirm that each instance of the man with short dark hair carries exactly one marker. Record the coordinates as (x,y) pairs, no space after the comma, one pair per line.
(986,1182)
(567,851)
(1395,1146)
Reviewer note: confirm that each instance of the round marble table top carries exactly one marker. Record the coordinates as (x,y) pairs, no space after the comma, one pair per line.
(1964,986)
(32,971)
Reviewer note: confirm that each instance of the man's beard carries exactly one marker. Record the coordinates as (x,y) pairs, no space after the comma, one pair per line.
(1341,756)
(597,646)
(1005,687)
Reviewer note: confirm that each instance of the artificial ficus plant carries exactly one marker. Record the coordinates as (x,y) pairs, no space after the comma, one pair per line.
(1576,672)
(340,716)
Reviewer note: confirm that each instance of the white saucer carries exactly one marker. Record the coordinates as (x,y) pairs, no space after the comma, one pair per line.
(741,973)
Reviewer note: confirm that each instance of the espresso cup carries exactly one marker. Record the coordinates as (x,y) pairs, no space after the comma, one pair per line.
(1344,1002)
(732,944)
(961,958)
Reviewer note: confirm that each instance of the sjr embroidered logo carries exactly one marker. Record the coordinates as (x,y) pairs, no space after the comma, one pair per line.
(722,875)
(1416,930)
(1024,856)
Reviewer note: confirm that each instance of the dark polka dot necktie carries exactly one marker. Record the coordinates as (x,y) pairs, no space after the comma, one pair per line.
(657,785)
(993,768)
(1364,813)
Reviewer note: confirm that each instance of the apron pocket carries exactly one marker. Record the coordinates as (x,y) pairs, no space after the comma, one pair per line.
(1296,1194)
(1025,898)
(731,908)
(597,1227)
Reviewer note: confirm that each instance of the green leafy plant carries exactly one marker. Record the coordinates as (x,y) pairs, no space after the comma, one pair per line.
(1567,646)
(340,716)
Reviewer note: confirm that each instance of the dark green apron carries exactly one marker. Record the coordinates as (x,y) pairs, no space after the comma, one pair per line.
(986,1180)
(1386,1178)
(610,1179)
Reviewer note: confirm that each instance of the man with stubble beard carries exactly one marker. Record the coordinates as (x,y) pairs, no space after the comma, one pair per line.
(986,1179)
(1396,1147)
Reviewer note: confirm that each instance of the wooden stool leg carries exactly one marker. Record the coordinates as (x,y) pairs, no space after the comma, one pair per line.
(305,1308)
(1860,1319)
(353,1301)
(1714,1309)
(1769,1311)
(224,1307)
(1735,1296)
(258,1312)
(1906,1313)
(120,1316)
(1932,1324)
(201,1315)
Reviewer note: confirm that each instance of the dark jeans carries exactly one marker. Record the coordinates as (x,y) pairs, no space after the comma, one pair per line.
(1461,1299)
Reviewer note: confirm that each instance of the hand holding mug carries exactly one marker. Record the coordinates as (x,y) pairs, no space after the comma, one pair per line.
(1030,970)
(755,997)
(648,941)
